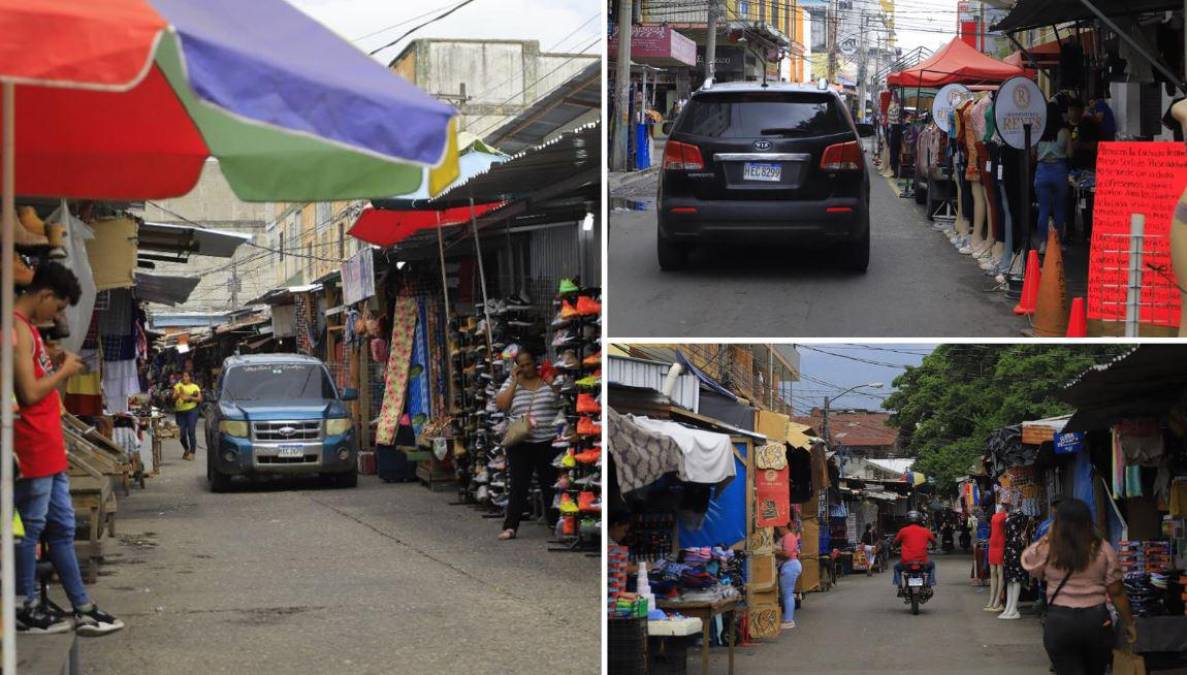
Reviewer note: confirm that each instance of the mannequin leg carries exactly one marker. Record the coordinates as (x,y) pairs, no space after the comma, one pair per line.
(961,224)
(979,241)
(1007,256)
(1179,257)
(1013,590)
(995,589)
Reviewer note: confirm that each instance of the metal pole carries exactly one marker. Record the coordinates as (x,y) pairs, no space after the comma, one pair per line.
(831,17)
(1133,295)
(711,42)
(7,298)
(1137,47)
(620,151)
(445,297)
(824,427)
(490,341)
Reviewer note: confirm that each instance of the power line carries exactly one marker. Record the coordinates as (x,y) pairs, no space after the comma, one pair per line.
(410,31)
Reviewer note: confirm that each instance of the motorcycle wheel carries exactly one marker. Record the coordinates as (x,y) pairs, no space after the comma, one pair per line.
(914,603)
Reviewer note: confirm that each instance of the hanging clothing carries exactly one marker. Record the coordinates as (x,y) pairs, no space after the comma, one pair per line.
(1017,540)
(120,380)
(398,363)
(997,539)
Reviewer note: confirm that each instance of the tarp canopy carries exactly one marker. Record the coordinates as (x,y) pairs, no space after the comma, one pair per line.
(165,289)
(384,227)
(1147,381)
(1038,13)
(186,240)
(955,62)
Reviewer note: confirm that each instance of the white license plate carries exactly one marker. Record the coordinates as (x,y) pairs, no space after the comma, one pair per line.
(762,171)
(915,581)
(290,451)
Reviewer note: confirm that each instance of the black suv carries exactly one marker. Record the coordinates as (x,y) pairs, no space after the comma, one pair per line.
(769,163)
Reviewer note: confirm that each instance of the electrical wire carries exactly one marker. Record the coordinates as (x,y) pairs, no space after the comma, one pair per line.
(410,31)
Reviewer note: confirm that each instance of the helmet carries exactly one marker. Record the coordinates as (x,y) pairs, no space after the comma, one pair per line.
(914,517)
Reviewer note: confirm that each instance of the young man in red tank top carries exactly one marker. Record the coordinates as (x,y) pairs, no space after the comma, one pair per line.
(42,495)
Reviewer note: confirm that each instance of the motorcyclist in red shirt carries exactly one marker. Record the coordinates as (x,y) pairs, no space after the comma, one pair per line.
(914,539)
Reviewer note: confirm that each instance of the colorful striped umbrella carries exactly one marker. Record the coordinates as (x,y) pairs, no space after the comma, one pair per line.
(126,99)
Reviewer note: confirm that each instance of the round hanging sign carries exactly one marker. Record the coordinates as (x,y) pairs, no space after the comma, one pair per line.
(948,97)
(1019,102)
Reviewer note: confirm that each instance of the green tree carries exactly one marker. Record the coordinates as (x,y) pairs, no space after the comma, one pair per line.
(946,407)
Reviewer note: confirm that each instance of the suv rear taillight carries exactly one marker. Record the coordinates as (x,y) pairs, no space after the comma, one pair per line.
(841,157)
(682,156)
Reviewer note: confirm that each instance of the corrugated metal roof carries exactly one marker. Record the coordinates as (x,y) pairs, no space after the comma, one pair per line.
(651,374)
(557,109)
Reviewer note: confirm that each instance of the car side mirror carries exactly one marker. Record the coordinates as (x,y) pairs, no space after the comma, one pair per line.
(350,394)
(865,130)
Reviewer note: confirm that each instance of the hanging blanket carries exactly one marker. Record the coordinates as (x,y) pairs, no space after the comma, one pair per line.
(418,375)
(399,361)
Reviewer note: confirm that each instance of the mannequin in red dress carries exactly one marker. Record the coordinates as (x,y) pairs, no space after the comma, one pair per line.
(997,556)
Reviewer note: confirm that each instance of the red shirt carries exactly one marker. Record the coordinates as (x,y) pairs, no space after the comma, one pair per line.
(37,434)
(914,539)
(997,539)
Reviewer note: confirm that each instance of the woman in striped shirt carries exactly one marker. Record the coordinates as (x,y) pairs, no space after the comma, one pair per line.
(526,393)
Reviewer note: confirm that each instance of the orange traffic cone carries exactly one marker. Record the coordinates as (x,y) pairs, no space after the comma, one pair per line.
(1030,285)
(1077,323)
(1051,309)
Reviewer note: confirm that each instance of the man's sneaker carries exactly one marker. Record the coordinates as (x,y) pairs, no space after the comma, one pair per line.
(95,622)
(38,620)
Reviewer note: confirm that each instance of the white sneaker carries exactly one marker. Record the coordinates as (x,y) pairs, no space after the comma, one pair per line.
(1009,617)
(786,625)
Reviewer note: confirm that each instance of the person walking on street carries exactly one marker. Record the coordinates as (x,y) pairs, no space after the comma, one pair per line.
(1081,570)
(868,539)
(41,495)
(526,395)
(186,397)
(788,553)
(1051,187)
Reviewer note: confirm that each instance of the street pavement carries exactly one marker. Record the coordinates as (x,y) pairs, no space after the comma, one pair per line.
(296,578)
(916,285)
(861,627)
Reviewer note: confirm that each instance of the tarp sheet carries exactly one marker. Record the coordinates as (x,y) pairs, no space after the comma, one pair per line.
(725,521)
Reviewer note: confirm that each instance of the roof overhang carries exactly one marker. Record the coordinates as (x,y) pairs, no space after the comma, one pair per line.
(1038,13)
(184,241)
(165,289)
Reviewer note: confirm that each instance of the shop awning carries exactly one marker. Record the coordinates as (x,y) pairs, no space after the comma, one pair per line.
(1047,54)
(278,295)
(385,227)
(1149,380)
(1044,430)
(183,240)
(955,62)
(164,289)
(1037,13)
(558,109)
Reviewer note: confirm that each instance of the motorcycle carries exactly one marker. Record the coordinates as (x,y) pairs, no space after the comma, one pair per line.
(914,589)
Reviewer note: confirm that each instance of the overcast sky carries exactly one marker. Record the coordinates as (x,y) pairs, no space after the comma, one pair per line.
(845,365)
(550,22)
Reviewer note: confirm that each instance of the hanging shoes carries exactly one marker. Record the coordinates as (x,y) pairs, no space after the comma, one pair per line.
(567,286)
(591,381)
(587,405)
(588,502)
(589,456)
(587,427)
(52,233)
(22,274)
(587,306)
(593,360)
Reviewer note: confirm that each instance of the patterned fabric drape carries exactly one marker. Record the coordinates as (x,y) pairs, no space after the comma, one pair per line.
(398,362)
(641,457)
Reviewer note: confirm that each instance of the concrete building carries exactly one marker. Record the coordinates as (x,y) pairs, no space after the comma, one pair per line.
(489,81)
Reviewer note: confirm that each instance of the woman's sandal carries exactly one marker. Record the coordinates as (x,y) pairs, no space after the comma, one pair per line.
(507,534)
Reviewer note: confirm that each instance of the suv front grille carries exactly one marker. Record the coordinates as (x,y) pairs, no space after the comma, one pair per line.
(282,432)
(307,459)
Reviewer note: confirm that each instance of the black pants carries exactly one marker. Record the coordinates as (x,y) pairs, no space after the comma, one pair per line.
(1079,641)
(521,461)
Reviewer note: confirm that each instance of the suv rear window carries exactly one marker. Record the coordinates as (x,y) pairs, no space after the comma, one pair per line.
(732,115)
(291,381)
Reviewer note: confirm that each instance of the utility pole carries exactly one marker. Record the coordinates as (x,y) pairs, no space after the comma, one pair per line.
(711,41)
(234,284)
(832,17)
(861,69)
(621,150)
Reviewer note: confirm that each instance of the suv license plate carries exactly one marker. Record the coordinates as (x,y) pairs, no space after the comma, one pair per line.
(762,171)
(915,581)
(290,451)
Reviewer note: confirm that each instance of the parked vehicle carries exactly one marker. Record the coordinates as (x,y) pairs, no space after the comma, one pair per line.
(915,590)
(764,163)
(279,415)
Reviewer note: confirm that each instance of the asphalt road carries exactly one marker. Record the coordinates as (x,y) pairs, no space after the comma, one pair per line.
(917,285)
(295,578)
(861,627)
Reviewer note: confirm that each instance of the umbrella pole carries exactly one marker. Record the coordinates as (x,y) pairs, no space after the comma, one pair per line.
(445,296)
(7,554)
(490,341)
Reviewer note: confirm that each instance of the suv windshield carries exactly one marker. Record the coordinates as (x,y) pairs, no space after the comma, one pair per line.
(733,115)
(292,381)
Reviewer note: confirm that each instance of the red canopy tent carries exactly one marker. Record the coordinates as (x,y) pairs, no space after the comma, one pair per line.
(956,62)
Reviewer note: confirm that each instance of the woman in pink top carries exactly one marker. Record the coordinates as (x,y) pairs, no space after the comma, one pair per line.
(788,553)
(1081,570)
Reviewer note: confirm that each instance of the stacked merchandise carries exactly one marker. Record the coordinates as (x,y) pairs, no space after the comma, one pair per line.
(1143,557)
(653,535)
(1143,564)
(577,337)
(617,559)
(699,575)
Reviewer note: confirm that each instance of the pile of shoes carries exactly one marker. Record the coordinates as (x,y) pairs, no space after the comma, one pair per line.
(577,339)
(35,240)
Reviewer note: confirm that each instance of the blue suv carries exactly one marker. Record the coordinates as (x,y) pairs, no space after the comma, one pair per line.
(279,414)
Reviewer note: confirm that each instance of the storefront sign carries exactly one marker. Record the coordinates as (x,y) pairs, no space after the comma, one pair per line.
(947,98)
(1145,178)
(658,46)
(1069,443)
(772,497)
(1019,102)
(358,277)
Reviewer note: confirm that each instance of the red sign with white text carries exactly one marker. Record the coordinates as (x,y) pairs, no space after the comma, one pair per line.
(772,497)
(1146,178)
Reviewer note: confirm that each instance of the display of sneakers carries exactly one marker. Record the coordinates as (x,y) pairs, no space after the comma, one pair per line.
(562,483)
(565,460)
(498,464)
(591,381)
(39,620)
(589,456)
(22,274)
(568,361)
(587,306)
(482,477)
(567,286)
(563,337)
(95,622)
(593,360)
(559,419)
(588,405)
(587,427)
(568,312)
(588,502)
(565,504)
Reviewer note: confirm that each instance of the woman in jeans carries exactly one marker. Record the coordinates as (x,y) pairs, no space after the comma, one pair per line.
(1081,571)
(1051,186)
(788,552)
(526,393)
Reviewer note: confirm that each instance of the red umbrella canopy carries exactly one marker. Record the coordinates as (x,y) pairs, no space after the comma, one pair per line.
(384,227)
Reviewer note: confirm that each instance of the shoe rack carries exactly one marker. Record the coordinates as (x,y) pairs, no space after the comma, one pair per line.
(576,339)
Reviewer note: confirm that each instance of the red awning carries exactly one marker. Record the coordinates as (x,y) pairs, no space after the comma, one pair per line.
(956,62)
(1047,54)
(385,227)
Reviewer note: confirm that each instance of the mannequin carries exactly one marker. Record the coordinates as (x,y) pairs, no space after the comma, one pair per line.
(1179,230)
(997,551)
(984,113)
(964,199)
(981,243)
(1012,572)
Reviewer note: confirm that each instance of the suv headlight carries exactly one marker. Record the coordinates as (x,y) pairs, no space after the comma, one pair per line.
(338,426)
(233,428)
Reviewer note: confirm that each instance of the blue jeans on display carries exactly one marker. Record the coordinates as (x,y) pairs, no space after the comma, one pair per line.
(1008,224)
(187,425)
(898,573)
(788,573)
(1051,188)
(45,506)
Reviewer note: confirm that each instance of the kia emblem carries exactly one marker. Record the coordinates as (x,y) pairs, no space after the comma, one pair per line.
(762,145)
